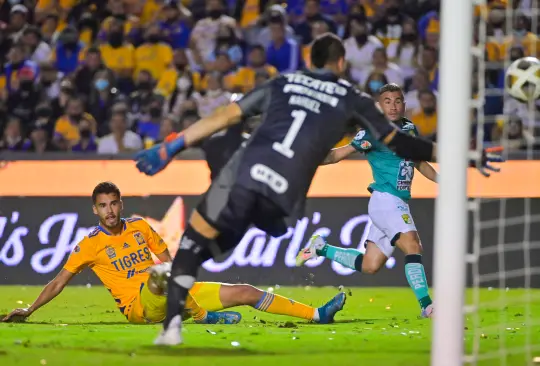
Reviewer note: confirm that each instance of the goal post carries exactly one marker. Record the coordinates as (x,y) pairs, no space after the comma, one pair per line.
(455,68)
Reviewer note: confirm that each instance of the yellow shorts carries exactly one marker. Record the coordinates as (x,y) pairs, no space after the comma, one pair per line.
(150,308)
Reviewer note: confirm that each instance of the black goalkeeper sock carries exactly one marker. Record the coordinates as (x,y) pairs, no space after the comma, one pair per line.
(192,253)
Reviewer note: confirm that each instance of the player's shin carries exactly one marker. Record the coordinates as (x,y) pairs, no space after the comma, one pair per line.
(416,276)
(276,304)
(192,253)
(350,258)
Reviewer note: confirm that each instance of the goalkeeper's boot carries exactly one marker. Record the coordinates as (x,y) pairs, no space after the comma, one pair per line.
(222,317)
(428,311)
(159,276)
(329,310)
(316,242)
(172,336)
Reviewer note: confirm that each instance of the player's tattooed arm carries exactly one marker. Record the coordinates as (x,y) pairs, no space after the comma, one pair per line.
(336,155)
(49,292)
(427,170)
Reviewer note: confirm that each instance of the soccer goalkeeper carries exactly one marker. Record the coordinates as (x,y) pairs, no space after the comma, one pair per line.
(119,252)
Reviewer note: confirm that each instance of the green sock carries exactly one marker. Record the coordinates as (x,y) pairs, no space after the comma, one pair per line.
(416,276)
(350,258)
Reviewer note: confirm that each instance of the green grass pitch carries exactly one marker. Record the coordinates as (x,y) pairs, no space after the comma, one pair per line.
(379,326)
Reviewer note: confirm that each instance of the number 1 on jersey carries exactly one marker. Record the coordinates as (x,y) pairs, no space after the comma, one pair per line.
(284,147)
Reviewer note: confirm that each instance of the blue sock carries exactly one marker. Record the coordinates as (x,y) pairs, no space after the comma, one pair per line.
(416,276)
(350,258)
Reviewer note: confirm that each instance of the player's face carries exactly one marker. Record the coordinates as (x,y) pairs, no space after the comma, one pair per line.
(108,208)
(392,105)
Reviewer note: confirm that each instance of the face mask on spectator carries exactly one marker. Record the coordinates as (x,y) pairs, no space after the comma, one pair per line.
(429,110)
(410,37)
(144,85)
(26,85)
(361,38)
(43,112)
(85,133)
(75,117)
(116,39)
(215,14)
(154,38)
(393,10)
(375,85)
(155,112)
(101,84)
(180,66)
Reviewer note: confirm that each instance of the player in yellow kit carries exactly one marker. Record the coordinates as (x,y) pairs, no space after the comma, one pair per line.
(119,252)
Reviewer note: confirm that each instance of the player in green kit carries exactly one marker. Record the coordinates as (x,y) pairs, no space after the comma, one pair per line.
(392,224)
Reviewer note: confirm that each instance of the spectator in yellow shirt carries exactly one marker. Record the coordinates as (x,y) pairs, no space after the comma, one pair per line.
(425,117)
(118,12)
(119,55)
(66,129)
(154,54)
(225,67)
(256,64)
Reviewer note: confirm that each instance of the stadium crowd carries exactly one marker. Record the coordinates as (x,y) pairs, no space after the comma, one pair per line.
(120,75)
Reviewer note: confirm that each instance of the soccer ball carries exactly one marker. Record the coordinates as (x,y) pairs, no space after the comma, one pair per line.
(522,79)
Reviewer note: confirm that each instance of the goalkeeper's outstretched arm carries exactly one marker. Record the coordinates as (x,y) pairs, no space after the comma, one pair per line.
(49,292)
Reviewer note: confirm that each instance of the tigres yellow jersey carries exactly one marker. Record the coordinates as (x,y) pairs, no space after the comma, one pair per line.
(155,58)
(118,59)
(121,261)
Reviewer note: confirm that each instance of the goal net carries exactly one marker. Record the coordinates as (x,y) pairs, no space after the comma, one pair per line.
(502,308)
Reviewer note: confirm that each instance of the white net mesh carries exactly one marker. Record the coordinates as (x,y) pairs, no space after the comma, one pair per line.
(503,307)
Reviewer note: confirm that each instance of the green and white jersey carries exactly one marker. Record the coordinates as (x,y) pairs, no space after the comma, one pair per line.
(392,174)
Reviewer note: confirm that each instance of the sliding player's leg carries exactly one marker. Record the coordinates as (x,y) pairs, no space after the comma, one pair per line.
(218,296)
(393,216)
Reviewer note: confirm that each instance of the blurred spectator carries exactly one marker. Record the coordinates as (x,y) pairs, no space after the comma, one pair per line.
(263,36)
(25,95)
(226,42)
(84,76)
(117,8)
(317,28)
(18,62)
(430,18)
(87,141)
(406,51)
(178,83)
(510,132)
(88,27)
(429,62)
(119,55)
(154,54)
(204,34)
(283,53)
(246,76)
(68,53)
(44,118)
(175,30)
(39,50)
(374,82)
(247,12)
(389,27)
(120,139)
(49,29)
(312,13)
(67,91)
(12,138)
(18,22)
(420,81)
(214,98)
(149,127)
(102,98)
(380,64)
(67,130)
(522,35)
(142,97)
(432,35)
(425,116)
(39,141)
(168,125)
(359,47)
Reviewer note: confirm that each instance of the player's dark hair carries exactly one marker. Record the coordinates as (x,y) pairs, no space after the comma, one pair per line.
(426,91)
(326,49)
(392,87)
(105,188)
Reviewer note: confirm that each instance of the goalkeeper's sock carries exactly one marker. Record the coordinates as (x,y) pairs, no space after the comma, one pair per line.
(416,276)
(350,258)
(194,309)
(191,254)
(276,304)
